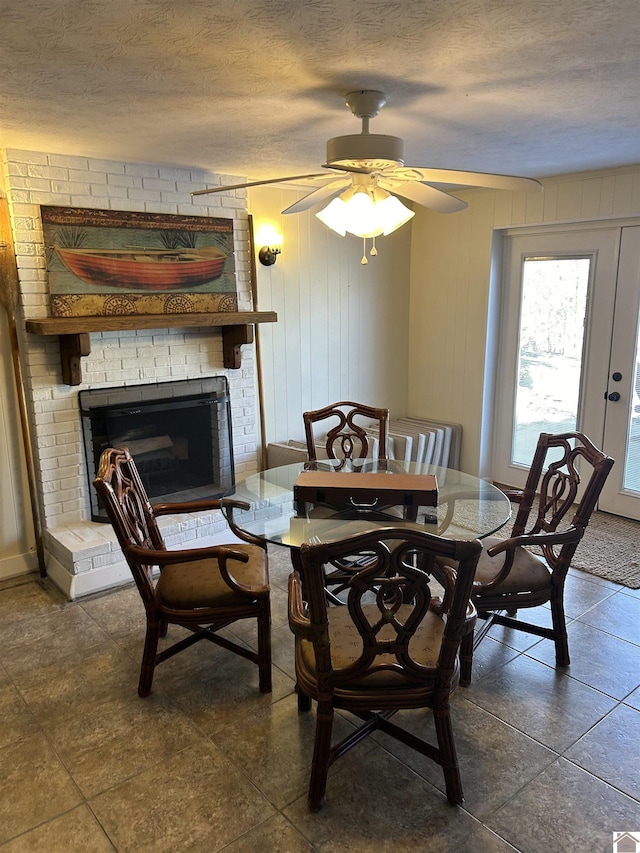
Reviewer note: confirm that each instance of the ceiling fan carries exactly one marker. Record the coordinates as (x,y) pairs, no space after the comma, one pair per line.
(367,177)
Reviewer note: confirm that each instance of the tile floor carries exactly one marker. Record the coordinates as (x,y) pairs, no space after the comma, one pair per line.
(550,760)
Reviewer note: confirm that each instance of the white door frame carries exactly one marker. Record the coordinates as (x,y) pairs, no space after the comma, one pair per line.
(499,301)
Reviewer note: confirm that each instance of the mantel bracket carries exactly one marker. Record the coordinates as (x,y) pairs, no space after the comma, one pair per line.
(232,339)
(72,348)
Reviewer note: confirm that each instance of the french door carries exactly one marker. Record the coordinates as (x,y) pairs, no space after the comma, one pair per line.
(569,355)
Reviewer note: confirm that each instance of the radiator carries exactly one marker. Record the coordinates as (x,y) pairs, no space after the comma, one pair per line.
(441,444)
(425,441)
(411,439)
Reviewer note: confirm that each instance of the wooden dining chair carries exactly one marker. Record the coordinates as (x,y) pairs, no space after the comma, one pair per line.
(510,576)
(201,589)
(393,646)
(347,437)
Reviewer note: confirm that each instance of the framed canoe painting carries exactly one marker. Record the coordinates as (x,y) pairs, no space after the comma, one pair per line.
(118,262)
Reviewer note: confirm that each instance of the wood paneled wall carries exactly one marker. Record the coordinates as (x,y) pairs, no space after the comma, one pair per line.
(342,327)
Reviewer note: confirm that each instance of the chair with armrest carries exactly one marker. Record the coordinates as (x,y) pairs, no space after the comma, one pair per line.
(393,646)
(201,589)
(347,438)
(509,576)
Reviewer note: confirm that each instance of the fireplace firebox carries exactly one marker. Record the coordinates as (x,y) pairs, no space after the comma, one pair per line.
(179,434)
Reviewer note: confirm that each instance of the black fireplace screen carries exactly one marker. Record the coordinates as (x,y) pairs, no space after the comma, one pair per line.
(179,434)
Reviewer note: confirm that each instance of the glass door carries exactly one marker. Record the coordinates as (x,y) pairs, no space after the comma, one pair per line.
(569,352)
(621,494)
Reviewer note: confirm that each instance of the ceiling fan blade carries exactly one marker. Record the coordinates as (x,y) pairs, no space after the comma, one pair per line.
(258,183)
(329,191)
(341,167)
(468,179)
(423,194)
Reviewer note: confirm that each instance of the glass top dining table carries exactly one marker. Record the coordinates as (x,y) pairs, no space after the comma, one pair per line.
(467,507)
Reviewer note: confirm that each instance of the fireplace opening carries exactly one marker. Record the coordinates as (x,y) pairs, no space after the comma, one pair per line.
(179,434)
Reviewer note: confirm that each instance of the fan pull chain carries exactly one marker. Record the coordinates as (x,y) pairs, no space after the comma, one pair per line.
(373,251)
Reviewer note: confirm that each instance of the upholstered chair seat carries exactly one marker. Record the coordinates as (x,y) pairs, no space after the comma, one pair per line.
(200,584)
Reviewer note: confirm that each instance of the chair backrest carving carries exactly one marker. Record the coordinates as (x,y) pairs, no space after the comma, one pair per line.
(347,439)
(125,500)
(556,484)
(388,600)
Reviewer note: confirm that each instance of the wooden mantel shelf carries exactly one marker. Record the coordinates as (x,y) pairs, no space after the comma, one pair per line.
(237,329)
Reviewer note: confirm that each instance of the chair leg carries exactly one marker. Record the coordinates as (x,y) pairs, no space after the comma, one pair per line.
(466,659)
(448,757)
(560,631)
(264,649)
(304,701)
(154,627)
(321,755)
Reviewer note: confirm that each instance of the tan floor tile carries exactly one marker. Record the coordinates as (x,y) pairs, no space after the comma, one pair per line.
(516,692)
(375,804)
(119,613)
(618,615)
(119,737)
(26,598)
(75,832)
(34,787)
(57,690)
(193,801)
(581,594)
(565,808)
(216,688)
(611,750)
(275,835)
(62,635)
(18,721)
(593,653)
(275,747)
(495,759)
(482,840)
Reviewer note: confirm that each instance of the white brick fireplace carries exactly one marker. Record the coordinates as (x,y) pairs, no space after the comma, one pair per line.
(82,556)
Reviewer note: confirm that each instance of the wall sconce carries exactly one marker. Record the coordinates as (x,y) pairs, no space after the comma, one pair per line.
(270,241)
(267,255)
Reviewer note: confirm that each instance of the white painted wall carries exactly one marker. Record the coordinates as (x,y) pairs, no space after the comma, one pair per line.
(453,320)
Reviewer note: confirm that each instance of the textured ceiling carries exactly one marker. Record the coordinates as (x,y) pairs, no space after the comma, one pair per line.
(255,87)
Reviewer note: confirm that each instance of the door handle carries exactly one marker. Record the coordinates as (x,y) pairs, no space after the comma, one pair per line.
(614,397)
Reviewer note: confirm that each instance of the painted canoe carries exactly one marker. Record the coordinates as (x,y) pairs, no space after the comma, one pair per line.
(161,269)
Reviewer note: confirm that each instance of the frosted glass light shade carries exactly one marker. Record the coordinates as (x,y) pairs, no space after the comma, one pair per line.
(364,216)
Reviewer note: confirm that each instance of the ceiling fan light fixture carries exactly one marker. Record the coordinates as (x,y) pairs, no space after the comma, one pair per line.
(393,214)
(334,216)
(365,213)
